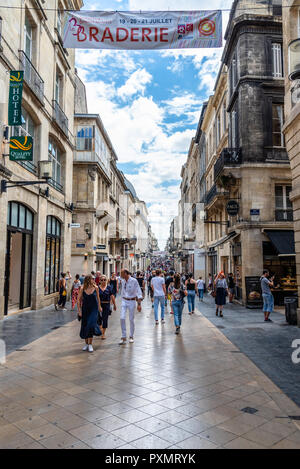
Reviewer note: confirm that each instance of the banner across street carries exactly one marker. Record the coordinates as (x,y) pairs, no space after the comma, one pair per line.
(143,30)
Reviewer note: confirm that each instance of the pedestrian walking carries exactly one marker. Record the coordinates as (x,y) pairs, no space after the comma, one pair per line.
(200,287)
(169,280)
(192,290)
(113,282)
(150,290)
(97,278)
(89,308)
(141,281)
(268,298)
(131,293)
(62,287)
(210,283)
(177,297)
(75,290)
(159,294)
(221,289)
(106,295)
(231,287)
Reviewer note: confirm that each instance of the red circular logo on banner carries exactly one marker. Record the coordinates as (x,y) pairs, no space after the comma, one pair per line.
(206,27)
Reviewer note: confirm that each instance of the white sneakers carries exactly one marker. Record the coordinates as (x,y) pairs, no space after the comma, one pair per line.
(88,348)
(123,341)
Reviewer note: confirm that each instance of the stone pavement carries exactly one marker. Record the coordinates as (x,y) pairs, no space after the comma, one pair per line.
(191,391)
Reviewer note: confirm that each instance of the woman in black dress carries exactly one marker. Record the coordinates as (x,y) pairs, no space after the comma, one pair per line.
(89,306)
(107,296)
(221,288)
(114,284)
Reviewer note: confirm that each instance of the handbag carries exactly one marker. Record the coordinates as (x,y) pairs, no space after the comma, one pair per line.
(213,293)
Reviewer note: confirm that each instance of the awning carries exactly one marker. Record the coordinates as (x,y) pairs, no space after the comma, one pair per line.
(283,241)
(223,240)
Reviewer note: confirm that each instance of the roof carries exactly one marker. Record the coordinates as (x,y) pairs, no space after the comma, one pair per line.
(130,188)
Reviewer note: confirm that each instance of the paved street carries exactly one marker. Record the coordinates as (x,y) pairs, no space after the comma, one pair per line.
(197,390)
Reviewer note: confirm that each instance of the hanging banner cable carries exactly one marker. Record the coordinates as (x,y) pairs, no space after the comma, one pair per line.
(146,30)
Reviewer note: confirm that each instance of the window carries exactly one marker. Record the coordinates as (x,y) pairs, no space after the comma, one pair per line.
(283,205)
(218,129)
(58,87)
(52,259)
(298,23)
(224,117)
(54,155)
(234,129)
(84,138)
(59,21)
(233,74)
(277,123)
(277,70)
(28,38)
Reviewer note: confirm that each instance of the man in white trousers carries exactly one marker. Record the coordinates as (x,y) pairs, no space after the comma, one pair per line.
(131,292)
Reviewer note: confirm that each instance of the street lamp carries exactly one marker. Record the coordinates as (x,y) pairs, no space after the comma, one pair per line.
(45,172)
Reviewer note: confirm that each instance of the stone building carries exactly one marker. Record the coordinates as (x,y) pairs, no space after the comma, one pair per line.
(35,220)
(291,128)
(254,170)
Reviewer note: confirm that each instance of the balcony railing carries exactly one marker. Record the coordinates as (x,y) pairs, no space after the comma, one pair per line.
(228,157)
(31,76)
(284,215)
(60,117)
(211,194)
(56,185)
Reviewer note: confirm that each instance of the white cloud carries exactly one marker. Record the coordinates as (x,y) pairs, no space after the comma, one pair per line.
(136,83)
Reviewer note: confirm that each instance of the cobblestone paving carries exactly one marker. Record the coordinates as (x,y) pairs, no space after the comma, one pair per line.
(164,391)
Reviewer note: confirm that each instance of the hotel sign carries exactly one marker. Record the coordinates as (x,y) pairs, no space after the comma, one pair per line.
(21,149)
(15,98)
(143,30)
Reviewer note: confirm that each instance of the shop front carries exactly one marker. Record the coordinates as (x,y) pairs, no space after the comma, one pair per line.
(280,259)
(18,262)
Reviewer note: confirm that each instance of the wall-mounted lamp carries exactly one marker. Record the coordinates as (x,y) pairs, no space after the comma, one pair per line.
(85,256)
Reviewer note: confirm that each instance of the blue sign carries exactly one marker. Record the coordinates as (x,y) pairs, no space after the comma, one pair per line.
(254,211)
(80,245)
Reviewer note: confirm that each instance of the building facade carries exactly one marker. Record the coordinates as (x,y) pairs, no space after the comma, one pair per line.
(34,219)
(291,128)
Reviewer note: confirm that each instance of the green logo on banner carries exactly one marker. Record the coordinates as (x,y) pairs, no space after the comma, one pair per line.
(21,149)
(15,98)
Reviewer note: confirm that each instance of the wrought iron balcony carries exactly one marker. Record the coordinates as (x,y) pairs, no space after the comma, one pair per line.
(211,194)
(56,185)
(60,117)
(228,157)
(32,77)
(284,215)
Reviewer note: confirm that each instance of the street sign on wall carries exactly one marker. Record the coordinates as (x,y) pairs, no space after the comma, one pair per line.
(21,149)
(143,30)
(15,98)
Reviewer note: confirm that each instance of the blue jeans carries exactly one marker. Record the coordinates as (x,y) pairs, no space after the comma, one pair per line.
(201,292)
(161,300)
(191,300)
(268,302)
(177,306)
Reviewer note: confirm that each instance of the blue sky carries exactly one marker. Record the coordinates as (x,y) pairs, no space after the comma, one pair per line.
(150,103)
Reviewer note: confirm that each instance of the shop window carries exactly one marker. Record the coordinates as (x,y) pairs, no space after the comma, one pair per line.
(19,216)
(277,123)
(52,259)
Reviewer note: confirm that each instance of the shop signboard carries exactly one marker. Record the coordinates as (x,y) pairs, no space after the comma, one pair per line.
(21,149)
(15,97)
(232,208)
(253,292)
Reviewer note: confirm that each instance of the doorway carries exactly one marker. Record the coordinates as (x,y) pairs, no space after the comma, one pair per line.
(18,265)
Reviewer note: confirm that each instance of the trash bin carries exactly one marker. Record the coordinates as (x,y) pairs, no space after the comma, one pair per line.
(291,304)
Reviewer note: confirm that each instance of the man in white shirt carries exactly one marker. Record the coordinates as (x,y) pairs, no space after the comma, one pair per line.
(159,293)
(131,293)
(200,286)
